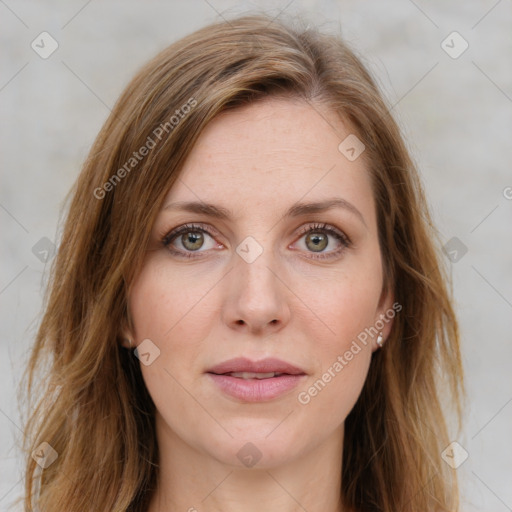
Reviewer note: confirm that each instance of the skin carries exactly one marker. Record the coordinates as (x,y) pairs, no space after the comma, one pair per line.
(258,161)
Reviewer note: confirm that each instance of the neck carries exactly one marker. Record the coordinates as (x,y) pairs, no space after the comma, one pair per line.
(191,480)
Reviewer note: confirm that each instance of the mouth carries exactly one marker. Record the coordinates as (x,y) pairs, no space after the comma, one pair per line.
(253,375)
(256,381)
(242,367)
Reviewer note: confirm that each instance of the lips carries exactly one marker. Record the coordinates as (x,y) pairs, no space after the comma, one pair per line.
(265,366)
(256,381)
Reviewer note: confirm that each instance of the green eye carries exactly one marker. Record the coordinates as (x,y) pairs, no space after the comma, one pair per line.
(316,238)
(189,239)
(193,240)
(317,242)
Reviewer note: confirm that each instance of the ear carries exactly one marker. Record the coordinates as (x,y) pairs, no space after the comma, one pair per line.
(126,337)
(385,314)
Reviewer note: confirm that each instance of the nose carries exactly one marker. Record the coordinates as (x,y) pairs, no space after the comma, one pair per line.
(256,301)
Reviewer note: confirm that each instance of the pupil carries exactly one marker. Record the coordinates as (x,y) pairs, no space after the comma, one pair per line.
(192,241)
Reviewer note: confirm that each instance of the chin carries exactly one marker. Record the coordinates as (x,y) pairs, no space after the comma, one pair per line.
(258,447)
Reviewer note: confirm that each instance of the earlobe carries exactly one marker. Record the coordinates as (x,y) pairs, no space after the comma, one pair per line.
(126,337)
(386,313)
(127,343)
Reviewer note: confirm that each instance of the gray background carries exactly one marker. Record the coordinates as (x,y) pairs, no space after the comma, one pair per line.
(455,112)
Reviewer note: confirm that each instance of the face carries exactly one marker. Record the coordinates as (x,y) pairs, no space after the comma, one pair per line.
(261,275)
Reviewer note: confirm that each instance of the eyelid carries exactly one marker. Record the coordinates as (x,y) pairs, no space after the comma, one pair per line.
(321,227)
(328,228)
(167,236)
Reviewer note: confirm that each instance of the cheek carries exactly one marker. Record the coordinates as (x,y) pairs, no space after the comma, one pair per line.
(167,307)
(345,301)
(165,302)
(345,304)
(342,364)
(175,309)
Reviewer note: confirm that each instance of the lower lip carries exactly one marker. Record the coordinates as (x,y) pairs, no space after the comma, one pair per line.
(256,390)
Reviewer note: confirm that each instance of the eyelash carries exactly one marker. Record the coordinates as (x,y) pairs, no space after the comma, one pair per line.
(314,228)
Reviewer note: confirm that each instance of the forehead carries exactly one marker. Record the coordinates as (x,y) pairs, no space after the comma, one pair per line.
(273,151)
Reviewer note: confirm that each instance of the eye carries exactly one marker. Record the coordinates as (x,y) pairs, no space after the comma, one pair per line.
(189,239)
(319,237)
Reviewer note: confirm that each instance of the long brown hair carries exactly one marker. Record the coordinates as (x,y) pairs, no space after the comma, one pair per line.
(93,408)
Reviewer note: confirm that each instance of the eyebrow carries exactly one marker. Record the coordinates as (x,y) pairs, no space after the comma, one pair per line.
(297,210)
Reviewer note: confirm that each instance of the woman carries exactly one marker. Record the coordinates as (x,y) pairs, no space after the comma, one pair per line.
(247,310)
